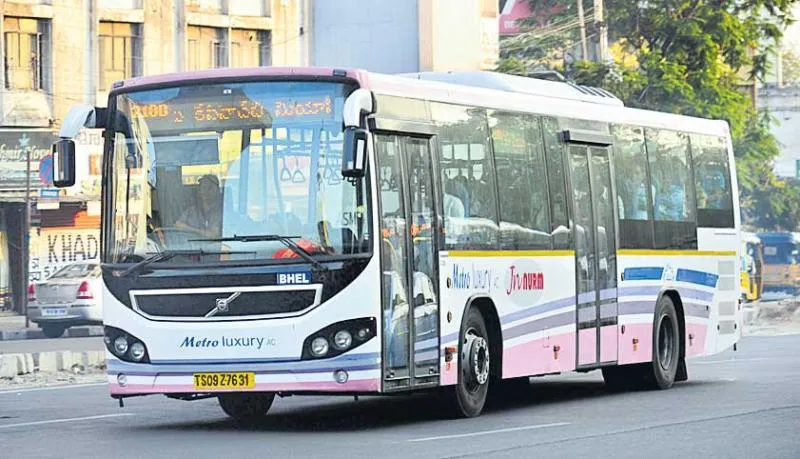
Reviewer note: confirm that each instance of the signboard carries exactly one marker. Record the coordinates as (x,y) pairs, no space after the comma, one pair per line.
(51,249)
(15,146)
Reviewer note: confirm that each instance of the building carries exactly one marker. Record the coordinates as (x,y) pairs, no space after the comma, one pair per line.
(404,36)
(60,52)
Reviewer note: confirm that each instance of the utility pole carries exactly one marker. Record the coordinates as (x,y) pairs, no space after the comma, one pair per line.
(582,20)
(602,31)
(26,243)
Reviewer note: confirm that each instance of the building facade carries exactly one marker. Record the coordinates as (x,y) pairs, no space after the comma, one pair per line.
(60,52)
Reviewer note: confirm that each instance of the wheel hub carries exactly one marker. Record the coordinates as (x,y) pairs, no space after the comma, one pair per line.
(475,361)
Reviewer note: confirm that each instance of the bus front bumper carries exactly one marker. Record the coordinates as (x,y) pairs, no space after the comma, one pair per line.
(358,373)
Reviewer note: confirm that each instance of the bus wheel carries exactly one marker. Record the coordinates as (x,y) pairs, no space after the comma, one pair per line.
(666,345)
(246,406)
(474,364)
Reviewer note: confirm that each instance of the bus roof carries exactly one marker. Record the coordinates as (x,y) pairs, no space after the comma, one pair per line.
(485,89)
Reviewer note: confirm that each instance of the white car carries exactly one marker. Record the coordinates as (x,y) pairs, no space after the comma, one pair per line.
(70,297)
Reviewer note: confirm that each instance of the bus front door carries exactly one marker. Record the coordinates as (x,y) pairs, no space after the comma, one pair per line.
(595,255)
(408,256)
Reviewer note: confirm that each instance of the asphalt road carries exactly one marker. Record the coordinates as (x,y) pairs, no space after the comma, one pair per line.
(46,345)
(735,405)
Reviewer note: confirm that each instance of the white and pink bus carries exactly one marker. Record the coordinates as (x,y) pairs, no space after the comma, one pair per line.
(290,231)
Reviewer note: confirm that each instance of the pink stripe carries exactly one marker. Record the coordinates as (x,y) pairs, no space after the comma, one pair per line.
(696,345)
(587,346)
(608,343)
(636,353)
(541,356)
(449,374)
(362,385)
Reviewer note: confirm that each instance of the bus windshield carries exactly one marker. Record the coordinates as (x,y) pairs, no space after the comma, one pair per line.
(194,164)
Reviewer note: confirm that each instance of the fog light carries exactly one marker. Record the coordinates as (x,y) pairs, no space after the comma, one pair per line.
(342,340)
(121,345)
(137,351)
(122,380)
(340,376)
(319,347)
(362,333)
(107,340)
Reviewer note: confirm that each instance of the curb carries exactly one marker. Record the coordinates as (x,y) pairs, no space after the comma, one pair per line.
(12,365)
(37,333)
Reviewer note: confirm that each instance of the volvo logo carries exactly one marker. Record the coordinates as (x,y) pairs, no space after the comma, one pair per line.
(223,304)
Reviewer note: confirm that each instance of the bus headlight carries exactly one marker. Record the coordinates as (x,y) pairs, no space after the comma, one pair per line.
(319,347)
(125,346)
(120,346)
(137,351)
(338,338)
(342,340)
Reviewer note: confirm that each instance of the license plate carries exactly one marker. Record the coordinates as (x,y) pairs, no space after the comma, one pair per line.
(224,380)
(50,312)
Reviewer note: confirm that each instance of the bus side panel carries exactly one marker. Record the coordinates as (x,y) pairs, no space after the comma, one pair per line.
(726,319)
(535,301)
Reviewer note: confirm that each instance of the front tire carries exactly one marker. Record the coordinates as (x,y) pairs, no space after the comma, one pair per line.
(470,393)
(246,406)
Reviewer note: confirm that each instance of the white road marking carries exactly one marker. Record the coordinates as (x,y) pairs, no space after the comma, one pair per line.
(489,432)
(56,421)
(39,389)
(713,362)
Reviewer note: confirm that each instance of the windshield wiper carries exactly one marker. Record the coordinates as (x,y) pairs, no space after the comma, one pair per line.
(163,256)
(286,240)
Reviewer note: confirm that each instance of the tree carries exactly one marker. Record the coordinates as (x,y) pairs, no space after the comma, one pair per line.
(696,57)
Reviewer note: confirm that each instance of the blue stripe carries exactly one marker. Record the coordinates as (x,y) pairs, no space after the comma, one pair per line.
(697,277)
(636,307)
(558,320)
(693,294)
(643,273)
(640,291)
(538,309)
(432,343)
(426,356)
(285,366)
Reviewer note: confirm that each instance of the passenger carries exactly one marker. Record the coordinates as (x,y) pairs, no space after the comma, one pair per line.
(205,217)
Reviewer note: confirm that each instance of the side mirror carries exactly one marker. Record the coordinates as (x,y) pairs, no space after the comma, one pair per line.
(354,155)
(63,163)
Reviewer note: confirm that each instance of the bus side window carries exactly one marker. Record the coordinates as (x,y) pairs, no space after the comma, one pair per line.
(633,183)
(712,182)
(554,156)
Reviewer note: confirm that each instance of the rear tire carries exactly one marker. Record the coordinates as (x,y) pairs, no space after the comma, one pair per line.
(468,396)
(667,344)
(246,406)
(53,331)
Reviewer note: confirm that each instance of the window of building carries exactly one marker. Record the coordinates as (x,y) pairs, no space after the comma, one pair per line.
(713,182)
(250,48)
(468,182)
(120,52)
(25,45)
(554,157)
(206,48)
(249,7)
(672,189)
(521,181)
(633,192)
(205,6)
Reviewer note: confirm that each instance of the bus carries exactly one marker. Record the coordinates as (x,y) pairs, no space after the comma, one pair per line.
(752,265)
(290,231)
(781,263)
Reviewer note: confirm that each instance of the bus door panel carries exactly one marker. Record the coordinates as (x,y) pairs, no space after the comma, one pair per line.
(394,266)
(595,255)
(605,232)
(410,290)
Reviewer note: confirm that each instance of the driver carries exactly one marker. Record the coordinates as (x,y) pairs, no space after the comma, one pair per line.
(205,216)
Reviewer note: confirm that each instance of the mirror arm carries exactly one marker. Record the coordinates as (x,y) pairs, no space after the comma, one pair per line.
(358,105)
(80,116)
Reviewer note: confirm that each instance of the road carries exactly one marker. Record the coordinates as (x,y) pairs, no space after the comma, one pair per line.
(736,405)
(46,345)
